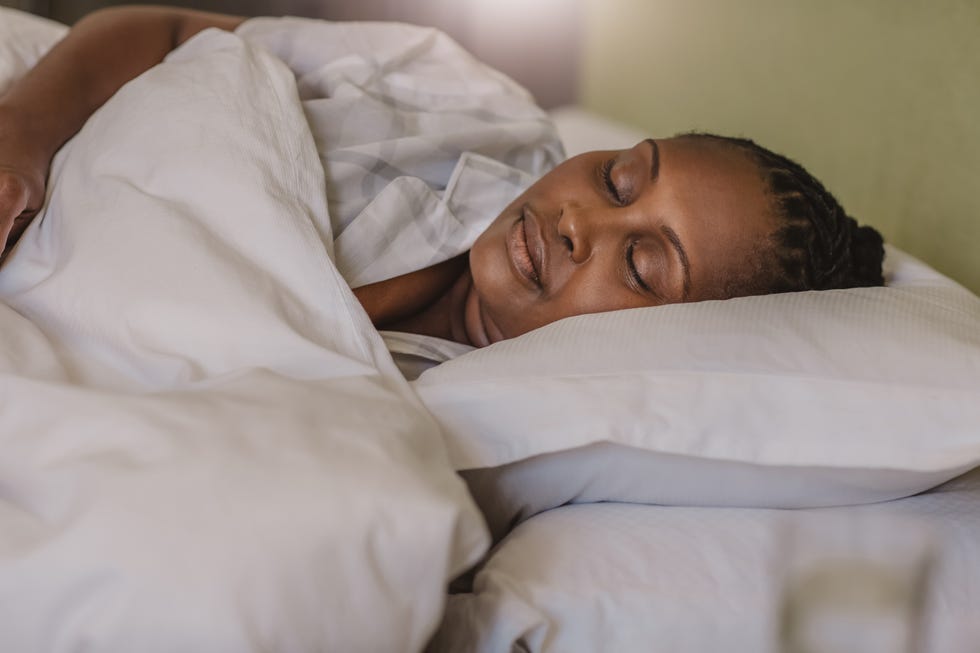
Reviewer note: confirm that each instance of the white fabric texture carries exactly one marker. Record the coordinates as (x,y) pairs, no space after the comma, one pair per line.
(897,576)
(796,400)
(422,144)
(205,445)
(414,353)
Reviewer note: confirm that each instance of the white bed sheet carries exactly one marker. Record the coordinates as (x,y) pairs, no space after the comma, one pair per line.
(627,577)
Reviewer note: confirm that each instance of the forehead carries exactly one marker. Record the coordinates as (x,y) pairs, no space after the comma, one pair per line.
(708,170)
(719,205)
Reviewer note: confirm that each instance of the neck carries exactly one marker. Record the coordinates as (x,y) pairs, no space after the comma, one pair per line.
(443,317)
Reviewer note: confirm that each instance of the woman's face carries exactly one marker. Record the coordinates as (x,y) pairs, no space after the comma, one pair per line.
(665,221)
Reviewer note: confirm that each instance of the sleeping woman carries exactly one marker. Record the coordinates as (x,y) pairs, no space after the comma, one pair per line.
(682,219)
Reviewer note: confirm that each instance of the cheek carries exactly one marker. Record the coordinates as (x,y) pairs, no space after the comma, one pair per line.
(501,297)
(489,265)
(595,294)
(504,301)
(515,315)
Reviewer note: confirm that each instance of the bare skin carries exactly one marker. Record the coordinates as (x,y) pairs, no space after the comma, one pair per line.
(665,221)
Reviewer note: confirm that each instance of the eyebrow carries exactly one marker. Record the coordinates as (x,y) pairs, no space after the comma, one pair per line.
(655,162)
(682,255)
(671,235)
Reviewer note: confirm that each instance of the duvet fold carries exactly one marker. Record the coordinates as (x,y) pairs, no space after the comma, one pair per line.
(204,445)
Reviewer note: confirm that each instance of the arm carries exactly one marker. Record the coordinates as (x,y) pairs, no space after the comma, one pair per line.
(50,104)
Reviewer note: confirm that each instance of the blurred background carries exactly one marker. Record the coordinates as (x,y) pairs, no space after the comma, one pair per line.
(879,98)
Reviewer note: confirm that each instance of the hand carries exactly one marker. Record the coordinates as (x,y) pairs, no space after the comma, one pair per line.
(21,197)
(23,171)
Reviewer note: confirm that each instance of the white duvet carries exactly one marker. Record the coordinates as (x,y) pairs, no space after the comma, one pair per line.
(204,445)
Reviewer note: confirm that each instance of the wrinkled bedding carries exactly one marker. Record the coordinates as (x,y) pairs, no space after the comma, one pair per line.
(204,445)
(897,576)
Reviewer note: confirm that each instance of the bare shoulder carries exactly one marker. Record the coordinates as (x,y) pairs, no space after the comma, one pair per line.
(181,24)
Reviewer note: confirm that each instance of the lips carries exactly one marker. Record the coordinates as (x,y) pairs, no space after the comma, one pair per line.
(524,247)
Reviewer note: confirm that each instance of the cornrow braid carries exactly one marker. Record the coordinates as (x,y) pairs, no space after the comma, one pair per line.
(818,246)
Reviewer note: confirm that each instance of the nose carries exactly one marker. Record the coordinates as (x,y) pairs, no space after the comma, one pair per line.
(577,227)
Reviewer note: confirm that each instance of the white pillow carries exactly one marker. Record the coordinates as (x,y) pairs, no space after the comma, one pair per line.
(582,131)
(795,400)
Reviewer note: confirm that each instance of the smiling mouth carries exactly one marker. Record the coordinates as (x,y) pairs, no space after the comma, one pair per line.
(520,253)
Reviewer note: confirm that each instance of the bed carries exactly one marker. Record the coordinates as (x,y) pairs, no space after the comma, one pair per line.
(594,564)
(170,482)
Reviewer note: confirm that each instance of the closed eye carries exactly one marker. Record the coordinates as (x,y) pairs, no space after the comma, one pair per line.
(631,264)
(607,180)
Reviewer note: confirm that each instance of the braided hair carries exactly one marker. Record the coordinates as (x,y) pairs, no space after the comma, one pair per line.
(818,246)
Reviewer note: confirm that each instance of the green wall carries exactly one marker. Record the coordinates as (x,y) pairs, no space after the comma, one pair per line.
(880,99)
